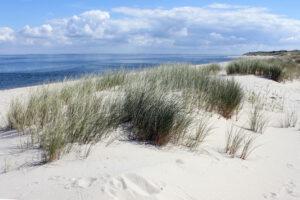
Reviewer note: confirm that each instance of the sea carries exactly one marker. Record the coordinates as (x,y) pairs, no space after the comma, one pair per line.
(28,70)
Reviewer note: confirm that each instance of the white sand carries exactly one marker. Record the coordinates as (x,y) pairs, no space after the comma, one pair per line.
(125,170)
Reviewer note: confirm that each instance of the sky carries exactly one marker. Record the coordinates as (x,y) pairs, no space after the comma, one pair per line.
(149,26)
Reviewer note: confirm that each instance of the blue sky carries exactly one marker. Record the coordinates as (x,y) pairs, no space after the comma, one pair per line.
(153,26)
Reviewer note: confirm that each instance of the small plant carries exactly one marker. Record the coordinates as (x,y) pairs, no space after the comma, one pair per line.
(234,140)
(226,97)
(257,119)
(203,129)
(153,116)
(16,116)
(275,73)
(289,119)
(247,147)
(53,140)
(237,140)
(6,166)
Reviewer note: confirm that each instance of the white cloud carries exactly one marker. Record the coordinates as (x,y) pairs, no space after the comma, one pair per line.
(291,39)
(215,26)
(88,24)
(141,40)
(45,35)
(6,34)
(43,31)
(219,5)
(224,6)
(217,36)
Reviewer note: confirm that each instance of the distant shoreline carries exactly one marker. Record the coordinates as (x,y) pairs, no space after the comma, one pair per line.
(271,53)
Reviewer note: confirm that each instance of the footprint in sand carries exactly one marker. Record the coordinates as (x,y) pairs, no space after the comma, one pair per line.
(57,178)
(80,183)
(289,165)
(179,161)
(287,190)
(132,184)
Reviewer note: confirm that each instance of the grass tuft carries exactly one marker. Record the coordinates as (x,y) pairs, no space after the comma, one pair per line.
(248,147)
(153,116)
(204,128)
(234,140)
(16,116)
(85,120)
(226,97)
(237,141)
(255,67)
(257,119)
(289,119)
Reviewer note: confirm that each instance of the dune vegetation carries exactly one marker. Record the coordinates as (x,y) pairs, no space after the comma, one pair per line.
(157,106)
(256,67)
(285,66)
(154,106)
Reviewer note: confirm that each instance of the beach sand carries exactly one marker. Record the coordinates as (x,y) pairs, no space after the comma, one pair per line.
(127,170)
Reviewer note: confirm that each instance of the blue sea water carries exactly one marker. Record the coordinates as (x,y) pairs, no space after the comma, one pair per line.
(27,70)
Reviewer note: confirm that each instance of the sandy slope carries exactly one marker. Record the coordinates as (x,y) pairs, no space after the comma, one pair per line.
(126,170)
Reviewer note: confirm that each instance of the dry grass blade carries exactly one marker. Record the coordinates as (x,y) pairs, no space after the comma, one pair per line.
(289,119)
(257,119)
(235,137)
(237,141)
(204,128)
(248,147)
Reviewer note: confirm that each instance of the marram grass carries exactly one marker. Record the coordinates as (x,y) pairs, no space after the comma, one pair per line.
(238,143)
(255,67)
(153,117)
(150,104)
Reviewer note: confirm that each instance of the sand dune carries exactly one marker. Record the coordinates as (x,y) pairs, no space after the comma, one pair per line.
(127,170)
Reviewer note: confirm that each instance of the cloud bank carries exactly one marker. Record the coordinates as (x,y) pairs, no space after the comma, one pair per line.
(217,28)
